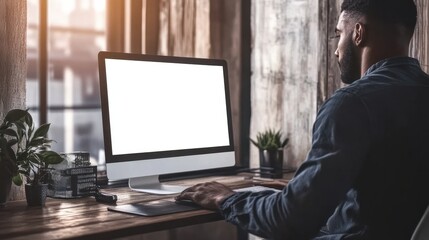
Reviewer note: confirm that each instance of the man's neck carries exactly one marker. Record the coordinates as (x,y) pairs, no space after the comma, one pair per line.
(371,56)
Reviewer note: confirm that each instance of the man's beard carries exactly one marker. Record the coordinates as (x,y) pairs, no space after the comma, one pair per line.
(349,66)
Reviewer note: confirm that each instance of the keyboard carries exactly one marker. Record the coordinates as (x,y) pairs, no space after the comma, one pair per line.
(161,207)
(155,208)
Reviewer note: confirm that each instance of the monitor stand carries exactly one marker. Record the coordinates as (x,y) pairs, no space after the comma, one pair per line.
(151,184)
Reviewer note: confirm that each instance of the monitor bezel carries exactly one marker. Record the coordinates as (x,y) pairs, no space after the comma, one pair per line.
(110,158)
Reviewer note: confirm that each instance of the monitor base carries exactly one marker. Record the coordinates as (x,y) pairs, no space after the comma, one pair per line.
(151,184)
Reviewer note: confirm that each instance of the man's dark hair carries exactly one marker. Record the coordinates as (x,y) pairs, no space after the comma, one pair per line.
(402,12)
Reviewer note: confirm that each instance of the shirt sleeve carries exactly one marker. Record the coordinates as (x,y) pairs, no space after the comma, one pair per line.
(341,137)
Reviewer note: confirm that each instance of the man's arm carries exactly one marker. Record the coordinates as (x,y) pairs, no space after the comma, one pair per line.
(340,142)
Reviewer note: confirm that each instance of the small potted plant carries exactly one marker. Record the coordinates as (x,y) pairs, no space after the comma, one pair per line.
(270,145)
(8,140)
(27,154)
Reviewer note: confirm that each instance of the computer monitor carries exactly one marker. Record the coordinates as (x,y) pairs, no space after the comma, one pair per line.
(163,115)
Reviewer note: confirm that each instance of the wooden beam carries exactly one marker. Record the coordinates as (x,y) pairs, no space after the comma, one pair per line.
(43,61)
(230,39)
(329,73)
(152,31)
(333,80)
(115,25)
(164,28)
(187,44)
(322,82)
(244,104)
(216,16)
(136,26)
(202,23)
(176,28)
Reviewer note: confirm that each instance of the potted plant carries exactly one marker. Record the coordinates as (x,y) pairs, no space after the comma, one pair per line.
(270,145)
(26,154)
(8,165)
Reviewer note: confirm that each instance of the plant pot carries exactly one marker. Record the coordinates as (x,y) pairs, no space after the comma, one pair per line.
(36,194)
(5,185)
(271,163)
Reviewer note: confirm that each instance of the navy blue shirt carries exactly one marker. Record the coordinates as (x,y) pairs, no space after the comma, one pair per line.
(367,173)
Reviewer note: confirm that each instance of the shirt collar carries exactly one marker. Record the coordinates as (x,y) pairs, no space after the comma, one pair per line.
(394,61)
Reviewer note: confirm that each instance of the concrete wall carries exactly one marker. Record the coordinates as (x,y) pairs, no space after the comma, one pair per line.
(284,72)
(13,17)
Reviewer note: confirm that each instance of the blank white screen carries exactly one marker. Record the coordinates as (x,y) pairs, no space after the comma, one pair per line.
(157,106)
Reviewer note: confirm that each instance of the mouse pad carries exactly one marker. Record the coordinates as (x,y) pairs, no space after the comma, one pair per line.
(154,208)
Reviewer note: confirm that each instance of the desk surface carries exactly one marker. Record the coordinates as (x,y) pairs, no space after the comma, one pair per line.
(84,218)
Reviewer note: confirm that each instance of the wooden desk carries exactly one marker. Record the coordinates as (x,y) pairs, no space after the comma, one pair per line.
(85,218)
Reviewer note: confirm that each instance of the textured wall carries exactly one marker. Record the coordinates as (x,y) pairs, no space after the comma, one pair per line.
(420,43)
(284,72)
(329,73)
(13,17)
(184,28)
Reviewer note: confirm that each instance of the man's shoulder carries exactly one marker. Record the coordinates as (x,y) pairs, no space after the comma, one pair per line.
(350,91)
(369,84)
(342,101)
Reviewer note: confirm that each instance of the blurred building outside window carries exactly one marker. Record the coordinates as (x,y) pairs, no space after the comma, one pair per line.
(76,33)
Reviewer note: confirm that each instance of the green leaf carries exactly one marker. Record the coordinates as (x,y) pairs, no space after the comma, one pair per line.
(254,143)
(9,132)
(34,159)
(20,128)
(8,163)
(36,142)
(20,124)
(47,145)
(7,150)
(42,130)
(29,119)
(12,142)
(51,157)
(15,114)
(10,153)
(3,143)
(17,179)
(285,142)
(21,156)
(269,139)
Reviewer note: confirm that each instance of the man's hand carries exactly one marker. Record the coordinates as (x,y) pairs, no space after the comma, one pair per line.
(209,195)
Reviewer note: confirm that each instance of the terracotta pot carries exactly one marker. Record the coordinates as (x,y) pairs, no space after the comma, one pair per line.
(271,163)
(36,194)
(5,185)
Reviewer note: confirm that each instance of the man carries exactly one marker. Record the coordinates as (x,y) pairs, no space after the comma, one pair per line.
(367,173)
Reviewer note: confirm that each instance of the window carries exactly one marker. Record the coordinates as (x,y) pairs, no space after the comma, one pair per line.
(64,37)
(74,34)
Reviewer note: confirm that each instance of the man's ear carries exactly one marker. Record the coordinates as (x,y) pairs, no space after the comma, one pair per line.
(359,34)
